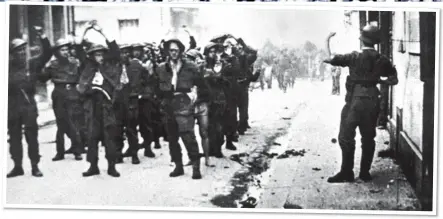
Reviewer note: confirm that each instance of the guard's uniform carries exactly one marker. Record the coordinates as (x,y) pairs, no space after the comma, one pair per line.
(361,108)
(336,72)
(22,108)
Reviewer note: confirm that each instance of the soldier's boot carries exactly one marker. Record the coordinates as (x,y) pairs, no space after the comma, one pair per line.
(58,157)
(78,157)
(366,162)
(16,171)
(388,153)
(235,137)
(178,171)
(135,159)
(196,170)
(93,170)
(230,145)
(36,171)
(70,150)
(157,144)
(346,173)
(119,159)
(111,169)
(148,151)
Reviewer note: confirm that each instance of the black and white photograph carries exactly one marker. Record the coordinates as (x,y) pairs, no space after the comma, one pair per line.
(221,107)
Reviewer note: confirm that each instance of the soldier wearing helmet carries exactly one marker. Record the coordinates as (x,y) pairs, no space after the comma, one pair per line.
(247,56)
(177,77)
(99,82)
(22,107)
(126,104)
(213,76)
(366,69)
(64,72)
(201,113)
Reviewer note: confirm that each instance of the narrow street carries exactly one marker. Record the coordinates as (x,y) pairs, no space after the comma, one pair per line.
(282,161)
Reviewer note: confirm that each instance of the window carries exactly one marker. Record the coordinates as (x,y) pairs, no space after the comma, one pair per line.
(80,27)
(128,30)
(413,32)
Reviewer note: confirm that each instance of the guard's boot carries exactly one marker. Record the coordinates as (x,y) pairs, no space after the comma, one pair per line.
(342,177)
(196,170)
(127,153)
(148,151)
(346,173)
(16,171)
(36,171)
(388,153)
(230,146)
(58,157)
(111,169)
(178,171)
(368,150)
(93,170)
(247,125)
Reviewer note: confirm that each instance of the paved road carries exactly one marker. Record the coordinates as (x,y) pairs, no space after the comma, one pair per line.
(148,184)
(303,118)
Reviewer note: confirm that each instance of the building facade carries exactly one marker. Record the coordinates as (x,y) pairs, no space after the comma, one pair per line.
(408,39)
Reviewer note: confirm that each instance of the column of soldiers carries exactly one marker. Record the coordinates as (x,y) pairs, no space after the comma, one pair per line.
(109,94)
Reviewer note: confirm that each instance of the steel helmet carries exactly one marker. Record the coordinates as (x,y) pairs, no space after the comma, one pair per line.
(125,46)
(96,48)
(193,53)
(174,40)
(60,43)
(16,43)
(138,45)
(370,34)
(230,42)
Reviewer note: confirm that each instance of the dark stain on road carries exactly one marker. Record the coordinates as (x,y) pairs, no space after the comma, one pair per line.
(257,163)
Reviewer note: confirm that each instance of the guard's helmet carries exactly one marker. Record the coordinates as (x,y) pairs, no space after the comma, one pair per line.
(370,34)
(16,43)
(96,48)
(60,43)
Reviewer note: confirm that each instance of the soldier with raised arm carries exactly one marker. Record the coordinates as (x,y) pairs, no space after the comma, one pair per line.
(366,70)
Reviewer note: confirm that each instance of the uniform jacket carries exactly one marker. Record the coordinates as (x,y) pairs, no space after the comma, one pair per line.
(365,70)
(22,81)
(111,71)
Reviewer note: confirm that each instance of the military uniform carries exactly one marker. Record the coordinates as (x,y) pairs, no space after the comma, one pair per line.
(361,108)
(178,110)
(22,107)
(150,123)
(100,115)
(246,62)
(126,108)
(66,102)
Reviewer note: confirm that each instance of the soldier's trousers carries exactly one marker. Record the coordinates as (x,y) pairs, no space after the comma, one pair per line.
(230,115)
(215,129)
(126,113)
(150,122)
(361,112)
(28,118)
(101,127)
(69,117)
(202,116)
(180,126)
(243,108)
